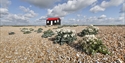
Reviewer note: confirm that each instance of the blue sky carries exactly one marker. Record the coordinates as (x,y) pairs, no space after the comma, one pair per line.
(82,12)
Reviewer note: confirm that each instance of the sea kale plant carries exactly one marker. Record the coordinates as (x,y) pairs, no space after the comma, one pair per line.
(89,30)
(60,26)
(91,45)
(23,29)
(39,30)
(75,25)
(31,29)
(48,33)
(11,33)
(65,36)
(26,31)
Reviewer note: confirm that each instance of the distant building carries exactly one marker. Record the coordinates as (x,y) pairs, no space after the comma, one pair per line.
(53,21)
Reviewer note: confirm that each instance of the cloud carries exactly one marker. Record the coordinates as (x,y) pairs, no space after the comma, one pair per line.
(122,17)
(3,12)
(41,3)
(122,10)
(4,3)
(66,8)
(102,17)
(15,19)
(105,5)
(111,3)
(42,18)
(18,18)
(96,9)
(101,20)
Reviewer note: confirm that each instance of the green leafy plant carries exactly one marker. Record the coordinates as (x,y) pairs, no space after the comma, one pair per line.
(89,30)
(48,33)
(11,33)
(91,45)
(26,30)
(39,30)
(23,29)
(31,29)
(65,36)
(75,25)
(60,26)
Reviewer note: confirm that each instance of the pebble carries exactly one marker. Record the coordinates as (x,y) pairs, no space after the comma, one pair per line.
(79,60)
(68,58)
(51,62)
(124,36)
(105,58)
(16,52)
(124,57)
(97,61)
(119,61)
(8,57)
(77,55)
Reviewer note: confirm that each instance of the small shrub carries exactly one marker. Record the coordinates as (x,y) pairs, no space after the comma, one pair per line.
(47,33)
(91,45)
(89,30)
(23,29)
(45,26)
(39,30)
(26,32)
(31,29)
(35,30)
(11,33)
(74,25)
(60,26)
(65,36)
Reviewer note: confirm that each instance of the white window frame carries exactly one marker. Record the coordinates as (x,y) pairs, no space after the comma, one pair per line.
(57,21)
(47,21)
(51,22)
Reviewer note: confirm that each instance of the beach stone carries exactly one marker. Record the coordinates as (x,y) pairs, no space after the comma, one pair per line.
(105,58)
(77,55)
(119,61)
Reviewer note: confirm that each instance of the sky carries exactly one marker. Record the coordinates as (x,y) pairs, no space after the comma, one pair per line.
(71,12)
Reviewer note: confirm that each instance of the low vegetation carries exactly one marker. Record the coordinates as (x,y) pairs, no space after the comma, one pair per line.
(39,30)
(60,26)
(11,33)
(89,30)
(48,33)
(31,29)
(65,36)
(91,45)
(74,25)
(26,30)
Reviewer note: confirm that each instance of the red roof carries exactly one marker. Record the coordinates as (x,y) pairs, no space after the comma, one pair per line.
(56,18)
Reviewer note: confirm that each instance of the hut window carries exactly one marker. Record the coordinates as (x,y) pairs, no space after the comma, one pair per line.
(47,21)
(55,21)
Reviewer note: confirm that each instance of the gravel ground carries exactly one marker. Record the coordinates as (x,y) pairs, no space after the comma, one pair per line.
(32,48)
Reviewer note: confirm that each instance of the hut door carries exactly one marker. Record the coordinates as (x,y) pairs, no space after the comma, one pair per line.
(51,22)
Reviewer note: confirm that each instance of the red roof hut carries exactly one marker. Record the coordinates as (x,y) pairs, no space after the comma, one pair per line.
(53,21)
